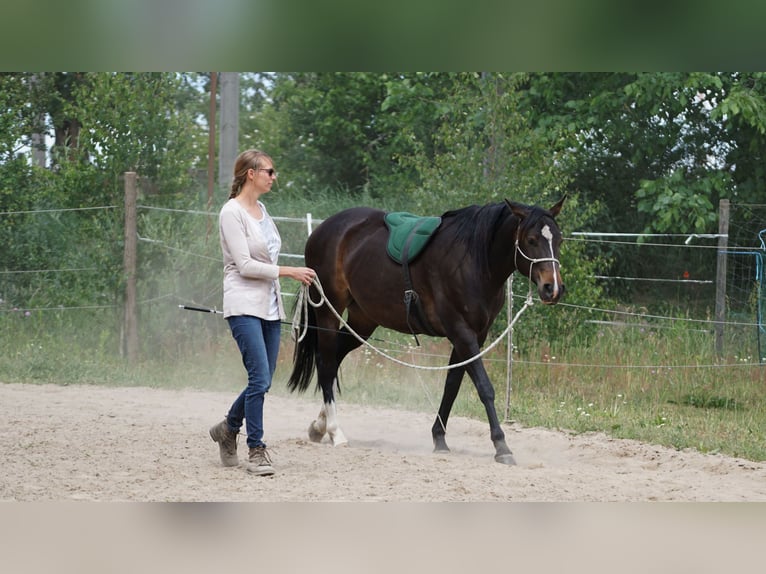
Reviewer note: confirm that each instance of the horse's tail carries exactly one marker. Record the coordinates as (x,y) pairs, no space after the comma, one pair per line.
(304,355)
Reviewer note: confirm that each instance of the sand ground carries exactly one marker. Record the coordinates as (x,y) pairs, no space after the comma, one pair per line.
(62,443)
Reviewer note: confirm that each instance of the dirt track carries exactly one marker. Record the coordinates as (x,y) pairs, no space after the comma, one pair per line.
(138,444)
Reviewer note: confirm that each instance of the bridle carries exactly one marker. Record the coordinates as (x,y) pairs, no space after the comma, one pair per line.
(546,232)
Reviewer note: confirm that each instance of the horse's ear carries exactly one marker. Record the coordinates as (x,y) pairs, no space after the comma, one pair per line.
(557,208)
(518,209)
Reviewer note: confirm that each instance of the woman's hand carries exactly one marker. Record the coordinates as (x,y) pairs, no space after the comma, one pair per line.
(303,274)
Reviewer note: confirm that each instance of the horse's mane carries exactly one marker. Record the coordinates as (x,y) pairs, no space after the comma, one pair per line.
(475,226)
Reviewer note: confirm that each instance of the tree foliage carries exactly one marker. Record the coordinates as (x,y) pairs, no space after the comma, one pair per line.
(633,151)
(125,122)
(330,130)
(659,149)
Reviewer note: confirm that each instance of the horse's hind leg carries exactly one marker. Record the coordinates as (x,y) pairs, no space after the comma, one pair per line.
(327,423)
(327,420)
(318,427)
(327,371)
(451,388)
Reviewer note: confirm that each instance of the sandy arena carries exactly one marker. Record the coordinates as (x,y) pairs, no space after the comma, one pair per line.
(63,443)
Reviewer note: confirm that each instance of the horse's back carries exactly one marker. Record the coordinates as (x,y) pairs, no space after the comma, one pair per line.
(334,237)
(349,218)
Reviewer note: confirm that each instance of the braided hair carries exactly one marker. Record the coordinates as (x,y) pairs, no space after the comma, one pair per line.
(248,159)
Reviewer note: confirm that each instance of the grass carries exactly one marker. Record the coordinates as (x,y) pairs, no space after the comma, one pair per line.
(679,410)
(649,392)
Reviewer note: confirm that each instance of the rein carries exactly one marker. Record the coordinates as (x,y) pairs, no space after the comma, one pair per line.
(304,300)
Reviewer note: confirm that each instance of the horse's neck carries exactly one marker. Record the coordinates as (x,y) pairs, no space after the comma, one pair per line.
(501,250)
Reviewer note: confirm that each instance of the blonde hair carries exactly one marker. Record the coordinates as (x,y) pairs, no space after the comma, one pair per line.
(248,159)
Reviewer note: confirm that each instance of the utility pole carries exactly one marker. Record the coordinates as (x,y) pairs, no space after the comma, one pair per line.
(211,139)
(38,139)
(229,142)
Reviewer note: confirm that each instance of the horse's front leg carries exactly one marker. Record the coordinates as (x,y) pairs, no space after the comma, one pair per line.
(486,392)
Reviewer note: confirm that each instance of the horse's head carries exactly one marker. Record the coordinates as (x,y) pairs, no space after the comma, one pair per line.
(536,249)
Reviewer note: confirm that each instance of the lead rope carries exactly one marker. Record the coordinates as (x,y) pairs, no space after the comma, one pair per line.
(299,332)
(304,299)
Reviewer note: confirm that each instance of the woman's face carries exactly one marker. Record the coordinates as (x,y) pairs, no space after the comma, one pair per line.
(264,176)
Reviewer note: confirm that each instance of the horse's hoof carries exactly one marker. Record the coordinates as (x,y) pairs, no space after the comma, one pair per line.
(314,434)
(505,459)
(440,445)
(338,438)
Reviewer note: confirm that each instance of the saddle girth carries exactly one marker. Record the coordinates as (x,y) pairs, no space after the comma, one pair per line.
(410,295)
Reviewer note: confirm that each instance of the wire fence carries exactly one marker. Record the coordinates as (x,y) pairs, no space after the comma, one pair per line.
(687,275)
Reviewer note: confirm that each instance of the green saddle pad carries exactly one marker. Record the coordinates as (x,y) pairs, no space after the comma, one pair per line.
(400,225)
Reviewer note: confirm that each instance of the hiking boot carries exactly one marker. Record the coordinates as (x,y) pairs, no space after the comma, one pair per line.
(259,462)
(227,443)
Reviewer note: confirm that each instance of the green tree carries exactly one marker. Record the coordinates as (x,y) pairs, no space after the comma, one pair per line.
(23,187)
(131,123)
(127,122)
(659,149)
(329,133)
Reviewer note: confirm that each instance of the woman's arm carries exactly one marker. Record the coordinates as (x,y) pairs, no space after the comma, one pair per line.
(232,229)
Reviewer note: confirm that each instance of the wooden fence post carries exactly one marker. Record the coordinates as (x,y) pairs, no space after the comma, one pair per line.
(131,242)
(720,276)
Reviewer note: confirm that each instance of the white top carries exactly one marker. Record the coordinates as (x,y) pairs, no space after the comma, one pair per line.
(250,250)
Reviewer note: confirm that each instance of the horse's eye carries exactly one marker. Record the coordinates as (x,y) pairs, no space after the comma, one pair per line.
(532,241)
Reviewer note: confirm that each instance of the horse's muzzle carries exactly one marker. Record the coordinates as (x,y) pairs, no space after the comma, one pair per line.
(551,293)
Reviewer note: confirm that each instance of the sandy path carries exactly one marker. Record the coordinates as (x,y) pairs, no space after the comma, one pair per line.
(138,444)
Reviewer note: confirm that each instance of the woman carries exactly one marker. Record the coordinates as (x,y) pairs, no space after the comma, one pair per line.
(252,304)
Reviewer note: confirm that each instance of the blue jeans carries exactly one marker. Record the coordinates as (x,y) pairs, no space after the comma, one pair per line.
(258,341)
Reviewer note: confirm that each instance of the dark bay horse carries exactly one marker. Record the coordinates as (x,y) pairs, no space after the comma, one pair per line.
(459,279)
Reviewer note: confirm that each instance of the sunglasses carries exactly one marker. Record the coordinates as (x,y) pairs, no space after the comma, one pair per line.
(271,171)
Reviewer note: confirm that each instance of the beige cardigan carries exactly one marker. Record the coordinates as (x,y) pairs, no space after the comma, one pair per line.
(250,276)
